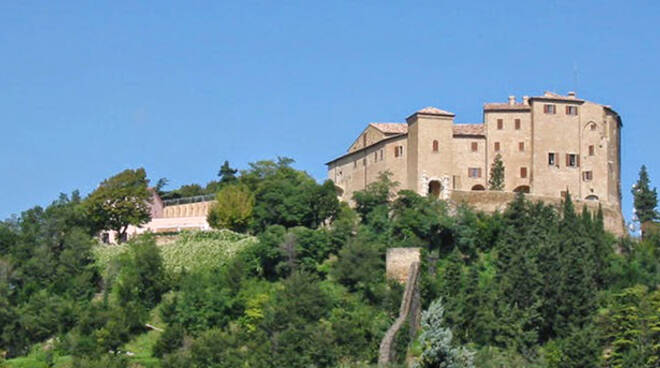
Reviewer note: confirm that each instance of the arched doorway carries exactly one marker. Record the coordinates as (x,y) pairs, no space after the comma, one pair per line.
(478,187)
(435,188)
(522,189)
(339,190)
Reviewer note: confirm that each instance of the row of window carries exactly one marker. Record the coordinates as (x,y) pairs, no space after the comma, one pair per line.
(475,173)
(571,159)
(552,109)
(500,124)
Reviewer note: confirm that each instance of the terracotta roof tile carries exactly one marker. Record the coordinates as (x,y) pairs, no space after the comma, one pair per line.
(391,128)
(468,129)
(434,111)
(506,106)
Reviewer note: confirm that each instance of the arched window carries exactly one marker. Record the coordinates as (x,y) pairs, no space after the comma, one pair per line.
(478,187)
(435,146)
(522,189)
(592,197)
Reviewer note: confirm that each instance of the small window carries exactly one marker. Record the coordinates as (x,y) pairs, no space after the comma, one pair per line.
(475,146)
(381,154)
(572,160)
(591,150)
(105,238)
(523,172)
(571,110)
(592,126)
(364,140)
(521,146)
(587,175)
(500,124)
(398,151)
(375,156)
(549,109)
(497,146)
(435,146)
(552,159)
(517,123)
(563,194)
(474,172)
(364,162)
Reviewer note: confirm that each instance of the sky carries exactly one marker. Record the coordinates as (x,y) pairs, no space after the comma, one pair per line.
(91,88)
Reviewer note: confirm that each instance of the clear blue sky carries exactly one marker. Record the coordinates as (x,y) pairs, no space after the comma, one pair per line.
(91,88)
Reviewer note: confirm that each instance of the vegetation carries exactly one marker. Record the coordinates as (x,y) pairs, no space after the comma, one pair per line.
(120,201)
(533,286)
(645,198)
(233,208)
(496,180)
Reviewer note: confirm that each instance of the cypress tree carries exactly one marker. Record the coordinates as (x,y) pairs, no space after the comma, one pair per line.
(645,198)
(496,180)
(576,295)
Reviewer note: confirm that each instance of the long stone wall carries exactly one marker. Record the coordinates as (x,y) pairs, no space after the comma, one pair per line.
(409,311)
(491,201)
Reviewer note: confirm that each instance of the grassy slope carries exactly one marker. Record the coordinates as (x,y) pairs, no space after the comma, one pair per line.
(195,250)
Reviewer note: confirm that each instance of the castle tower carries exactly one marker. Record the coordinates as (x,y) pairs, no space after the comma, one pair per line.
(430,157)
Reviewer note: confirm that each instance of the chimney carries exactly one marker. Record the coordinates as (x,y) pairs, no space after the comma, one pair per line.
(525,100)
(571,94)
(512,100)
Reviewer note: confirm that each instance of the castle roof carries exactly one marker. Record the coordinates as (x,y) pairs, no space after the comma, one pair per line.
(468,129)
(498,106)
(430,110)
(391,128)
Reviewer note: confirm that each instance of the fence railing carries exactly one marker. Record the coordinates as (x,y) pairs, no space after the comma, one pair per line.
(186,200)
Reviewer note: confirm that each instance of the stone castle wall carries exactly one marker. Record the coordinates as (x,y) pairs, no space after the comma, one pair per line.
(491,201)
(398,261)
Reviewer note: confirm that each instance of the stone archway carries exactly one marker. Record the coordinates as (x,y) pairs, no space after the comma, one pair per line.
(478,187)
(435,188)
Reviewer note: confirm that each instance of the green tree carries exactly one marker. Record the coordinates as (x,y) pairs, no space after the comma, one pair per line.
(376,195)
(227,174)
(120,201)
(233,208)
(645,198)
(496,180)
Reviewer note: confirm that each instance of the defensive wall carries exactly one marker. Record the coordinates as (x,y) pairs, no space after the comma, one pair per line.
(491,201)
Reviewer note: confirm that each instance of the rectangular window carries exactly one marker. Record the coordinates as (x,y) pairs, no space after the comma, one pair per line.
(364,140)
(475,146)
(474,172)
(587,175)
(563,194)
(398,151)
(571,110)
(591,150)
(572,160)
(497,146)
(552,159)
(500,124)
(521,146)
(517,122)
(381,154)
(375,156)
(364,162)
(523,172)
(549,109)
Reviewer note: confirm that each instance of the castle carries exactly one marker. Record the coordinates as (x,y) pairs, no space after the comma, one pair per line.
(550,145)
